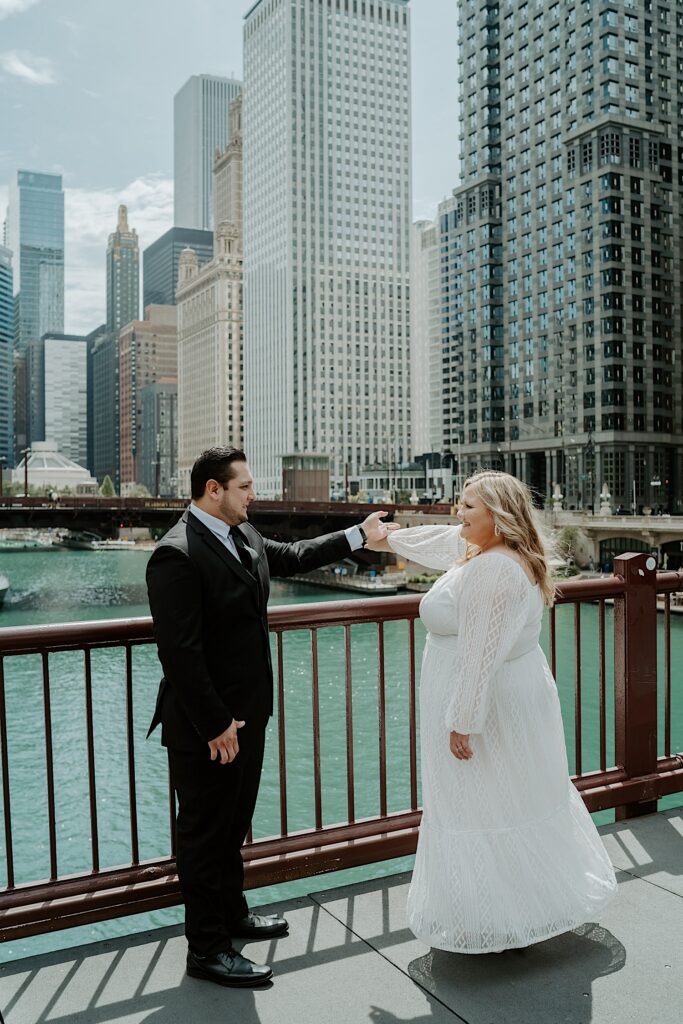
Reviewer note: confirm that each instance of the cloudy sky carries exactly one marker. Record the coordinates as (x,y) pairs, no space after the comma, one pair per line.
(87,91)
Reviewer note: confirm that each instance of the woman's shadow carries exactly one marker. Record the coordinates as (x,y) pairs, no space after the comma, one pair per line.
(548,982)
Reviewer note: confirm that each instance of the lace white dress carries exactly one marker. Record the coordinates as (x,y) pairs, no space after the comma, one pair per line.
(507,854)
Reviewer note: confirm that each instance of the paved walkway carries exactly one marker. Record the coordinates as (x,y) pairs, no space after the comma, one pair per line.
(350,959)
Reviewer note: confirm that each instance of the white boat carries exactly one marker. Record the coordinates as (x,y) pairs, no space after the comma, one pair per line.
(4,587)
(113,544)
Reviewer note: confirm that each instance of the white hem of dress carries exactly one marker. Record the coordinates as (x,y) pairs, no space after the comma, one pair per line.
(516,945)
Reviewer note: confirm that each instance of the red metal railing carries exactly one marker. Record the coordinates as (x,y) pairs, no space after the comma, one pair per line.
(632,784)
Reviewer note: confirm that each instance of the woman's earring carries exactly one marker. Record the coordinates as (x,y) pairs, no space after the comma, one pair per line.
(496,530)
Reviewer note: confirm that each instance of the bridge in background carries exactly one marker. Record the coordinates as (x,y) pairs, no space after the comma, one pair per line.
(608,536)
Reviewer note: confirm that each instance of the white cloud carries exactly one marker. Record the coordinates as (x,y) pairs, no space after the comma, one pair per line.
(90,217)
(25,65)
(8,7)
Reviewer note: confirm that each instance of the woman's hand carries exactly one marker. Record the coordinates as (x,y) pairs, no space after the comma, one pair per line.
(376,531)
(460,746)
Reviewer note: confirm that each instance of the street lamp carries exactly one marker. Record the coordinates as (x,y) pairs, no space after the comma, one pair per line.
(26,452)
(588,452)
(3,460)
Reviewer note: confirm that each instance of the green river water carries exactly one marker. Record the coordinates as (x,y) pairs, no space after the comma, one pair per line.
(61,586)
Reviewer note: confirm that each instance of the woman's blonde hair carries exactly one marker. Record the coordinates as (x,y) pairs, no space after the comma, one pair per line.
(509,502)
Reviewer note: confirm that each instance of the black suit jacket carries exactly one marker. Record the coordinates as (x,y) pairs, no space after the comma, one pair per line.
(211,626)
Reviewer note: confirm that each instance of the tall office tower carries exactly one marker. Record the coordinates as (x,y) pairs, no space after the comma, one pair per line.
(160,263)
(159,437)
(210,359)
(561,249)
(34,232)
(209,351)
(104,358)
(6,360)
(65,395)
(200,127)
(426,399)
(148,351)
(227,173)
(90,342)
(326,233)
(123,274)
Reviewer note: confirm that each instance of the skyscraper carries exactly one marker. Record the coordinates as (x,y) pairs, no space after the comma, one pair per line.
(148,351)
(210,321)
(560,249)
(65,396)
(326,233)
(200,127)
(123,274)
(425,338)
(6,360)
(35,234)
(160,263)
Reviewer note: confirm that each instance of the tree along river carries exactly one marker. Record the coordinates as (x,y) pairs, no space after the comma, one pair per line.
(67,586)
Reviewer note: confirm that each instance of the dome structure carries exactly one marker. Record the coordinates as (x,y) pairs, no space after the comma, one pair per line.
(47,467)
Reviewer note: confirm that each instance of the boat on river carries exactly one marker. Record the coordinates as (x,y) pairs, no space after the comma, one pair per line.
(4,587)
(82,540)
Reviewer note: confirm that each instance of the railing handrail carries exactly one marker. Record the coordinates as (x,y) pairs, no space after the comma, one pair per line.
(14,639)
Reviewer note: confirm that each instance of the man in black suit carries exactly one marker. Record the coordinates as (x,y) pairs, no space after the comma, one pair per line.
(208,581)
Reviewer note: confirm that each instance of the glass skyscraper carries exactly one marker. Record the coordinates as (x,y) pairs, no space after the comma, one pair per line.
(160,263)
(200,127)
(560,251)
(35,234)
(6,358)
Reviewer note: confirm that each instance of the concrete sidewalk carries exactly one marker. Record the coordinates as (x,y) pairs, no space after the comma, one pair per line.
(350,959)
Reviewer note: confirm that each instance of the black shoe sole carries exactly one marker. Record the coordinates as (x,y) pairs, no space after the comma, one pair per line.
(228,982)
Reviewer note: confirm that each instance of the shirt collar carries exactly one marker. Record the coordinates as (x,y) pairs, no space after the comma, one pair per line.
(212,523)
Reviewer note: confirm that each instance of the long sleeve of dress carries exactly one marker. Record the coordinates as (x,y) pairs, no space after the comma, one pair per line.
(493,610)
(436,547)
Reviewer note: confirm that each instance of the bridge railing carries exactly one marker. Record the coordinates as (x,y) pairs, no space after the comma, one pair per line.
(95,839)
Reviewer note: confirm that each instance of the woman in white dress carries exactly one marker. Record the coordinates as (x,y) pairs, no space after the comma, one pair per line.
(507,853)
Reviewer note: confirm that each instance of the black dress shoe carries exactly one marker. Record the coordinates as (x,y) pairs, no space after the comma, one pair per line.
(255,926)
(229,968)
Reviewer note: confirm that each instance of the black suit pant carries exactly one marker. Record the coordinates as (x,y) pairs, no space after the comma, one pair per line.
(215,808)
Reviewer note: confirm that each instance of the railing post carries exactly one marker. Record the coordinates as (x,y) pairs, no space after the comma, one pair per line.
(635,673)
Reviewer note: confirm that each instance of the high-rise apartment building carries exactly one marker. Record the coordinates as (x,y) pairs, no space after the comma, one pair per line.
(104,375)
(123,274)
(34,231)
(160,263)
(327,200)
(6,359)
(200,127)
(65,394)
(91,340)
(148,351)
(561,265)
(426,373)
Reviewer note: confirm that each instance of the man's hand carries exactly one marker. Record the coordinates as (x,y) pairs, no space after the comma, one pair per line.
(460,746)
(376,531)
(226,746)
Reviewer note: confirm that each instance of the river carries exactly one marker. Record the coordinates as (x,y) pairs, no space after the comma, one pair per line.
(61,586)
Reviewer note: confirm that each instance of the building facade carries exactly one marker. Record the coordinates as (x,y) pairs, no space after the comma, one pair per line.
(426,399)
(104,359)
(561,250)
(90,342)
(200,127)
(160,263)
(66,394)
(7,448)
(227,173)
(34,232)
(159,437)
(147,352)
(123,274)
(209,351)
(327,204)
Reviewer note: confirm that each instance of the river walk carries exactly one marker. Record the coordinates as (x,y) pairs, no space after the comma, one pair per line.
(350,959)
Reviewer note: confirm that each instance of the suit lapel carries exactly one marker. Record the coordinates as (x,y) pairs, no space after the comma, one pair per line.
(220,549)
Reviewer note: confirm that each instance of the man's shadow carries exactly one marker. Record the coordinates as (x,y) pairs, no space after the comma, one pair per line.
(546,982)
(195,1000)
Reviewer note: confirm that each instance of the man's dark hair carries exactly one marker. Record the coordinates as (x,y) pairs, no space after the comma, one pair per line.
(214,464)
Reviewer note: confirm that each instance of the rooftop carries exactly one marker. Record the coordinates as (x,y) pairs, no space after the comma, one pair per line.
(351,958)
